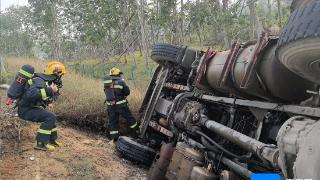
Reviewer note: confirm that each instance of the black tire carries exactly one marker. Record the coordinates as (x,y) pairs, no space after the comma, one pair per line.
(134,151)
(299,3)
(162,53)
(299,44)
(188,58)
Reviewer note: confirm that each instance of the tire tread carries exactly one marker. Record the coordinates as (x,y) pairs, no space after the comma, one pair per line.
(303,23)
(134,151)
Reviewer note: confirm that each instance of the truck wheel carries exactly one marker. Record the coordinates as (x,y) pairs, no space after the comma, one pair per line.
(134,151)
(162,53)
(299,44)
(188,58)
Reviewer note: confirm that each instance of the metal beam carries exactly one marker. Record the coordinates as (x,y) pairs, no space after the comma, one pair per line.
(264,151)
(295,109)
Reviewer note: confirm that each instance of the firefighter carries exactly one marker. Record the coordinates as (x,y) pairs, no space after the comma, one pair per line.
(39,94)
(116,92)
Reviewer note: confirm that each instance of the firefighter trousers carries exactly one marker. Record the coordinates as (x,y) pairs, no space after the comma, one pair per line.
(47,131)
(114,112)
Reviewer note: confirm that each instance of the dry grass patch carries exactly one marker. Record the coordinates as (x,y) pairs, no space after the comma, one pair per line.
(81,97)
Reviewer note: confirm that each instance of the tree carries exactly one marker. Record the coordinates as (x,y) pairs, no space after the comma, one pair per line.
(16,32)
(46,21)
(140,9)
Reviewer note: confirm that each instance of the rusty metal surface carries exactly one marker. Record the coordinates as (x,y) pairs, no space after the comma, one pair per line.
(166,153)
(160,129)
(201,80)
(225,74)
(214,72)
(263,41)
(164,122)
(191,159)
(177,156)
(253,71)
(159,167)
(295,109)
(182,162)
(227,175)
(177,87)
(255,87)
(200,173)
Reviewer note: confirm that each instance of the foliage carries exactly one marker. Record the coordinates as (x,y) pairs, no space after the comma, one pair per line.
(15,32)
(86,29)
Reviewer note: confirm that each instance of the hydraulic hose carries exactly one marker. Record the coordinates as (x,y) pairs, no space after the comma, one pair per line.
(233,166)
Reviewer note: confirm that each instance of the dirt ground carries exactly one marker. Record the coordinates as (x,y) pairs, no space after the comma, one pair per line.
(84,156)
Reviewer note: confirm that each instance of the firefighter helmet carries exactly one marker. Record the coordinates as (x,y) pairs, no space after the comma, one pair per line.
(55,67)
(115,72)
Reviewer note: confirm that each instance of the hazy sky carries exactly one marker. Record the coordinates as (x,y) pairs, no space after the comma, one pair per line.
(6,3)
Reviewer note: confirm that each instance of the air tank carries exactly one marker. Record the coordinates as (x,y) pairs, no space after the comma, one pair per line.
(270,81)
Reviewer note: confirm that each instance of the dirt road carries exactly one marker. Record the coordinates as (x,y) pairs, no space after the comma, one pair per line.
(84,156)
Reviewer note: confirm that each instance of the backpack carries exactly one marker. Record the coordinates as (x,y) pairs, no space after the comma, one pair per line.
(17,87)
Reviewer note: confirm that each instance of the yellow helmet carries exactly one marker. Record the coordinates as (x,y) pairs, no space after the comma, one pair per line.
(115,72)
(55,67)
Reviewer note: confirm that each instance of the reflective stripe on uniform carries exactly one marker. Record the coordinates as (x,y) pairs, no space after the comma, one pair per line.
(134,125)
(118,102)
(43,94)
(54,129)
(114,132)
(118,87)
(42,131)
(107,81)
(30,82)
(29,75)
(108,103)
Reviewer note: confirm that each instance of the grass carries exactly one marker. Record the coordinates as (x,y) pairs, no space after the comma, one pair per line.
(133,67)
(81,169)
(81,95)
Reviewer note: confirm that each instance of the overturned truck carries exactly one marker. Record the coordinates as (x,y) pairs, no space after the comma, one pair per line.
(232,114)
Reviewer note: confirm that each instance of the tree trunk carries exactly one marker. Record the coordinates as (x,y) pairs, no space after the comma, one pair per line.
(279,12)
(269,8)
(152,33)
(200,34)
(224,26)
(181,39)
(252,8)
(53,35)
(140,5)
(157,19)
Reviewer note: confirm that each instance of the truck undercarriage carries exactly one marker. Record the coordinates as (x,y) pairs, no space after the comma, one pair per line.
(232,114)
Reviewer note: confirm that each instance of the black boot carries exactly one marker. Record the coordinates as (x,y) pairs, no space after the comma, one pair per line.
(134,132)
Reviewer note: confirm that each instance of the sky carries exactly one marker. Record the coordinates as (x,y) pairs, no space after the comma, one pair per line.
(7,3)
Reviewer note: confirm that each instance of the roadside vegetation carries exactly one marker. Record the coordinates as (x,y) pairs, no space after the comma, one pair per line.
(82,95)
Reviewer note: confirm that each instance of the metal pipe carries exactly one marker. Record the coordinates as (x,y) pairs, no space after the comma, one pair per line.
(233,166)
(264,151)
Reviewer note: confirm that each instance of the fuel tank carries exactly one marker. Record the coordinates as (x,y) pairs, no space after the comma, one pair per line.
(270,80)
